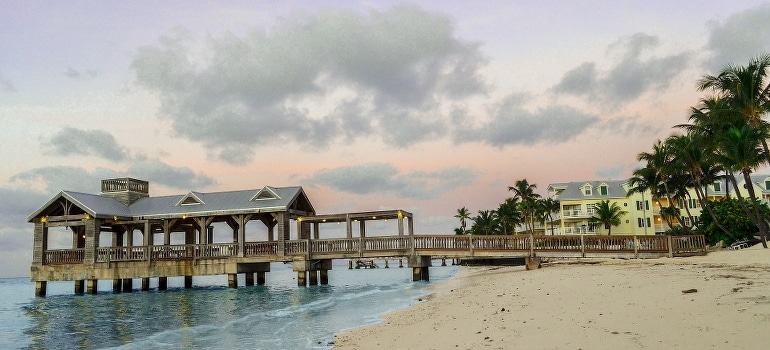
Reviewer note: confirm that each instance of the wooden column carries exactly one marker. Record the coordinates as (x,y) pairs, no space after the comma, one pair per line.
(324,277)
(92,241)
(260,278)
(232,280)
(313,277)
(79,286)
(145,284)
(40,244)
(301,278)
(128,285)
(188,280)
(92,286)
(249,278)
(40,288)
(117,285)
(162,283)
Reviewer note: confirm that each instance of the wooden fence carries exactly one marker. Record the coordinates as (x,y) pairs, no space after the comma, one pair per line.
(457,246)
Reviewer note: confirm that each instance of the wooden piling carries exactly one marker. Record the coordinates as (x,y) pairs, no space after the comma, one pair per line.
(145,283)
(313,274)
(92,286)
(40,288)
(249,278)
(260,278)
(80,286)
(127,285)
(162,283)
(301,278)
(188,281)
(324,277)
(232,280)
(117,285)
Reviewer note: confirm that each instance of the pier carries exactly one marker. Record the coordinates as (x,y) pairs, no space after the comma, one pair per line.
(102,228)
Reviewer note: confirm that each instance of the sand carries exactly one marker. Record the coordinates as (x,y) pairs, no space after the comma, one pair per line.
(718,301)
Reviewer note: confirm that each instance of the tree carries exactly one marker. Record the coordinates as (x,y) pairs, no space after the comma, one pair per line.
(546,208)
(486,223)
(608,214)
(728,212)
(524,192)
(509,215)
(741,152)
(463,215)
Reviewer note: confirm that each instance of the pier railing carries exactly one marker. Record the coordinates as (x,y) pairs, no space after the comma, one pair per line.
(456,246)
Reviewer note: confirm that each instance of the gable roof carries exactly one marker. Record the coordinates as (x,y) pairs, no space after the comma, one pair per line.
(214,203)
(94,205)
(574,190)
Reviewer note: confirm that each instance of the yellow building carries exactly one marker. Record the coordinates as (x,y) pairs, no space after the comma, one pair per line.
(643,215)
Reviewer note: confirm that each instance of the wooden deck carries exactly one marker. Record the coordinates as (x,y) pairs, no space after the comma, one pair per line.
(395,246)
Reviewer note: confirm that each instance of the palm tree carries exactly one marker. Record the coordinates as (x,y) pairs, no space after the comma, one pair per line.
(747,92)
(741,151)
(548,206)
(608,214)
(524,192)
(463,215)
(486,223)
(509,215)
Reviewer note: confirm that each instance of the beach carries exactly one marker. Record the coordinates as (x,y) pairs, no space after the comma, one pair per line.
(717,301)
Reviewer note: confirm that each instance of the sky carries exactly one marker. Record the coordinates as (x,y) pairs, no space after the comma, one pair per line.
(425,106)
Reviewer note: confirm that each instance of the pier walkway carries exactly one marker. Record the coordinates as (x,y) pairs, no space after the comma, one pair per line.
(312,257)
(100,231)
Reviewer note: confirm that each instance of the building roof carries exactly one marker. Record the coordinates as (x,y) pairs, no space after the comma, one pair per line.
(574,190)
(266,199)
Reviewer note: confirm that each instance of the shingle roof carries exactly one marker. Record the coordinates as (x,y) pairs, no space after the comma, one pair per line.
(169,206)
(574,190)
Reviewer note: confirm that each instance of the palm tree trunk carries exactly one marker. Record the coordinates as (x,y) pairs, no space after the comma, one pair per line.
(758,218)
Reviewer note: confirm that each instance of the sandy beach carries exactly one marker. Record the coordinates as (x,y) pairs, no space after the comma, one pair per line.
(718,301)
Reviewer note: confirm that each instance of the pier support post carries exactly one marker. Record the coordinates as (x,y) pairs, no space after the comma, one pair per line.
(324,277)
(260,278)
(386,264)
(313,277)
(117,285)
(188,281)
(443,261)
(301,275)
(420,265)
(232,280)
(162,283)
(145,284)
(80,286)
(92,286)
(249,278)
(350,264)
(532,262)
(40,287)
(400,263)
(127,285)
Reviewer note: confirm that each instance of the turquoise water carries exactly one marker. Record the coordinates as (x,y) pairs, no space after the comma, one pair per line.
(278,315)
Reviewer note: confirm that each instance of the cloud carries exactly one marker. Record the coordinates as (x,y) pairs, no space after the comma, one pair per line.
(175,177)
(632,74)
(738,38)
(386,179)
(57,178)
(53,179)
(6,85)
(74,74)
(631,126)
(614,172)
(512,124)
(74,141)
(312,79)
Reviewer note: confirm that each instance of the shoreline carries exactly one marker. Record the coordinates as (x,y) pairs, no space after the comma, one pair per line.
(714,301)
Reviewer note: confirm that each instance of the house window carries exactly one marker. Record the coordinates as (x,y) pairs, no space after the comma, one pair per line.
(648,222)
(642,205)
(717,187)
(693,203)
(603,190)
(687,221)
(640,222)
(587,191)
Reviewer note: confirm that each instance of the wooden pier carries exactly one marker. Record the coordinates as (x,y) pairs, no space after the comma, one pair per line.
(124,207)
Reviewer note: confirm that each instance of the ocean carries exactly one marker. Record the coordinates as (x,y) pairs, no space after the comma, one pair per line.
(277,315)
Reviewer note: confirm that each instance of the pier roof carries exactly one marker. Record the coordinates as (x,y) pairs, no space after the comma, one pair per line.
(266,199)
